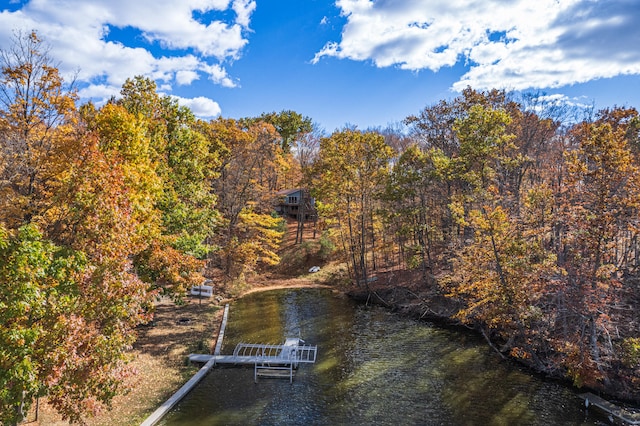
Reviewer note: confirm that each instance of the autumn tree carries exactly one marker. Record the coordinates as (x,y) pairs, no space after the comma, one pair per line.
(245,188)
(433,127)
(436,127)
(37,115)
(502,277)
(502,269)
(88,317)
(601,202)
(71,297)
(415,189)
(122,142)
(290,127)
(171,164)
(350,172)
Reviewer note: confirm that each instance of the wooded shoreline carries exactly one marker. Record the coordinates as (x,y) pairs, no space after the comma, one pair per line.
(403,300)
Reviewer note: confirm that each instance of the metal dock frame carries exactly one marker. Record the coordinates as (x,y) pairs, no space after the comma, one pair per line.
(275,359)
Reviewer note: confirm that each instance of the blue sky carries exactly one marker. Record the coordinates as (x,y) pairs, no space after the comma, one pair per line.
(367,63)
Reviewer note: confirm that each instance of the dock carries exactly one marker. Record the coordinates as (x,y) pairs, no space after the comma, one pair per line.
(268,360)
(610,409)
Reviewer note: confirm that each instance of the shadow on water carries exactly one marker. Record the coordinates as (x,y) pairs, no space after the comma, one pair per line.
(373,367)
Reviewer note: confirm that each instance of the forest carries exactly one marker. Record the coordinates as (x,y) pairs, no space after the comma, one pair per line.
(523,212)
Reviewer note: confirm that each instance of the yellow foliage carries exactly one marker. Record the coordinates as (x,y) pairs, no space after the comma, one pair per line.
(255,239)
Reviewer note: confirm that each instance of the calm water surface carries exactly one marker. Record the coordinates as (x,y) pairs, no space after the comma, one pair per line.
(373,368)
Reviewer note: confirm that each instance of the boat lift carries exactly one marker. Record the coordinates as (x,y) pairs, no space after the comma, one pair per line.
(276,360)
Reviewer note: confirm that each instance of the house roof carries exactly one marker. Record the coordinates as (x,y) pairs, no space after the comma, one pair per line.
(289,191)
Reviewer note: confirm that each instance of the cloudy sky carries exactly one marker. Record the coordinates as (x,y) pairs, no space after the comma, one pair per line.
(358,62)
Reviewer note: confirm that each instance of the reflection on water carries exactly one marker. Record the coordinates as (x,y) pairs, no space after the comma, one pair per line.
(373,367)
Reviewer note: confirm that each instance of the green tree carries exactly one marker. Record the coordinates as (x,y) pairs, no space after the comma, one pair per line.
(185,161)
(290,125)
(485,146)
(39,297)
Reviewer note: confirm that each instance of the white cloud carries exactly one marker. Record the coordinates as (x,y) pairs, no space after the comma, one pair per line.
(186,77)
(201,107)
(244,9)
(98,91)
(176,42)
(167,22)
(562,100)
(518,44)
(218,75)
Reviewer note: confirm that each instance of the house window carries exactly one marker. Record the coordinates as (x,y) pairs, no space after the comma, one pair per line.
(293,200)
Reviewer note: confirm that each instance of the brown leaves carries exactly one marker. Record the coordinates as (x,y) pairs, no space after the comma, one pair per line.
(168,269)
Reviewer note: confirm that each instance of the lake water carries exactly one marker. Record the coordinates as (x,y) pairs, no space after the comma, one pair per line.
(373,368)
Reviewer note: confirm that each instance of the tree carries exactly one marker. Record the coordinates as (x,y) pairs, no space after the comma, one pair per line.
(185,161)
(40,283)
(124,142)
(82,194)
(350,172)
(501,268)
(170,163)
(600,208)
(305,152)
(94,214)
(306,148)
(245,188)
(485,147)
(415,188)
(37,116)
(66,326)
(62,321)
(254,240)
(501,276)
(290,125)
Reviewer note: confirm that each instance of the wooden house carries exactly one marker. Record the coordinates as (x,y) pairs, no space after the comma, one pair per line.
(295,203)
